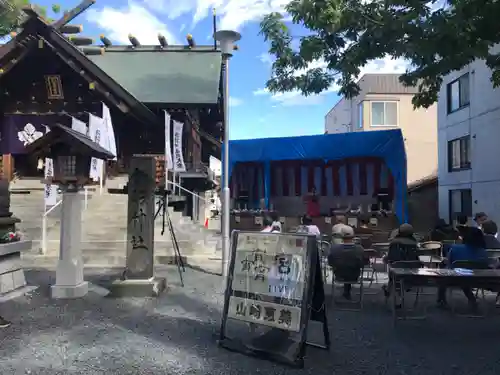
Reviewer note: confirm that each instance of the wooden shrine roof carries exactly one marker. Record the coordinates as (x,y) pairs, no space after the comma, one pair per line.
(36,30)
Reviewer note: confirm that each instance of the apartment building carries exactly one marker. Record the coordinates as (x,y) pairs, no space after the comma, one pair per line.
(385,103)
(468,143)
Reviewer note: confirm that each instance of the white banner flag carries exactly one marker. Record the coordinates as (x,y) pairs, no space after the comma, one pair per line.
(168,147)
(110,144)
(96,127)
(179,165)
(78,125)
(50,189)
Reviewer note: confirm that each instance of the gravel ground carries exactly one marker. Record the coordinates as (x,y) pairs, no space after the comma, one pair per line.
(176,334)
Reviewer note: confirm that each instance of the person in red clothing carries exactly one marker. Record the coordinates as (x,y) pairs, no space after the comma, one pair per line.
(312,202)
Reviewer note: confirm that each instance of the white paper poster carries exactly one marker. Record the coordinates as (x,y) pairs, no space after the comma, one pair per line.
(168,147)
(50,189)
(96,126)
(110,140)
(78,125)
(179,165)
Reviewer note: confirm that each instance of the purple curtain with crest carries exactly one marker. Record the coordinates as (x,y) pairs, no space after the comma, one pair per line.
(20,130)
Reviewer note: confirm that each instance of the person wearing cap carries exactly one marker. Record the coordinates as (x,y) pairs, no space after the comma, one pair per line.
(346,259)
(338,228)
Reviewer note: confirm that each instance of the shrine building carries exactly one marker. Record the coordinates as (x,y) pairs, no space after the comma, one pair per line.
(49,71)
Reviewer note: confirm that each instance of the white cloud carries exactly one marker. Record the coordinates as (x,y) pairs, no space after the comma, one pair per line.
(232,14)
(234,102)
(266,58)
(131,19)
(294,98)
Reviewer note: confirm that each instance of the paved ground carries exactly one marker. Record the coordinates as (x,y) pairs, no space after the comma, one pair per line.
(176,334)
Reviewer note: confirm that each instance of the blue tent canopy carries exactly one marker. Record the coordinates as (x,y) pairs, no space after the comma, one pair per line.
(385,144)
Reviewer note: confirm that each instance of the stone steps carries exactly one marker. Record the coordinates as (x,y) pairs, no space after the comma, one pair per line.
(101,257)
(104,226)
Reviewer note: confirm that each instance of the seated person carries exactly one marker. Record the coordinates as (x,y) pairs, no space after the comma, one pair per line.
(462,225)
(490,230)
(363,226)
(403,247)
(338,228)
(443,232)
(276,221)
(268,226)
(346,259)
(472,249)
(308,226)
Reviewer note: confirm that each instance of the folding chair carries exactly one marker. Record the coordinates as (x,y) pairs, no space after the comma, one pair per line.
(371,256)
(471,265)
(340,282)
(405,288)
(430,253)
(324,249)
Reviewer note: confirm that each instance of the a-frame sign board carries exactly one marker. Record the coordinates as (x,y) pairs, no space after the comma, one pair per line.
(274,289)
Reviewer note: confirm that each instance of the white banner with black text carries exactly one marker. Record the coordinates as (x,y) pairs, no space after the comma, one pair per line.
(110,140)
(179,165)
(50,189)
(96,130)
(168,148)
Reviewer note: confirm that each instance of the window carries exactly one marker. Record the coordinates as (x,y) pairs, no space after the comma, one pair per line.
(384,114)
(460,203)
(458,93)
(360,115)
(459,154)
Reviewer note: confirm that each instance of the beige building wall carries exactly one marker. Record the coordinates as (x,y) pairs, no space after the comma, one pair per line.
(419,129)
(419,126)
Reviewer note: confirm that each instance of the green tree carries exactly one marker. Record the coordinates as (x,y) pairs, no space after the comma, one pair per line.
(11,14)
(435,38)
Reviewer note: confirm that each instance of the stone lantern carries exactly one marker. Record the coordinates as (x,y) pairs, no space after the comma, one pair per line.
(7,220)
(72,154)
(12,280)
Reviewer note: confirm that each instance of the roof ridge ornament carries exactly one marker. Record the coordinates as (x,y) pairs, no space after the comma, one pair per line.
(134,41)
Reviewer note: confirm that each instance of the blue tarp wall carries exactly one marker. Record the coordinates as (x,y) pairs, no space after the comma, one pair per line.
(386,144)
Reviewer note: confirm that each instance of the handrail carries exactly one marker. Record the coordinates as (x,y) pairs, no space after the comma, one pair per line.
(46,213)
(186,190)
(52,208)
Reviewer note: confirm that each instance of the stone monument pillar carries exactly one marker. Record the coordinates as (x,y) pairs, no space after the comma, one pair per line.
(69,273)
(138,278)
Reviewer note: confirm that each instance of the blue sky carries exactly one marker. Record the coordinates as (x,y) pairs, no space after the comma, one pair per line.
(254,113)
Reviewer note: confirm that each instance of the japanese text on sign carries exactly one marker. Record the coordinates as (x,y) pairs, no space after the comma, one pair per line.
(270,265)
(268,280)
(265,313)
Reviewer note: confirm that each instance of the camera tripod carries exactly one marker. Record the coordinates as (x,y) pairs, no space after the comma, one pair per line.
(163,208)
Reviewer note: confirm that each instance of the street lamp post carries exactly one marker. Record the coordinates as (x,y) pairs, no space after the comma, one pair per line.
(226,39)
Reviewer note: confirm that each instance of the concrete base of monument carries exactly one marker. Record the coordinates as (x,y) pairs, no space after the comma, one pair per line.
(152,287)
(69,291)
